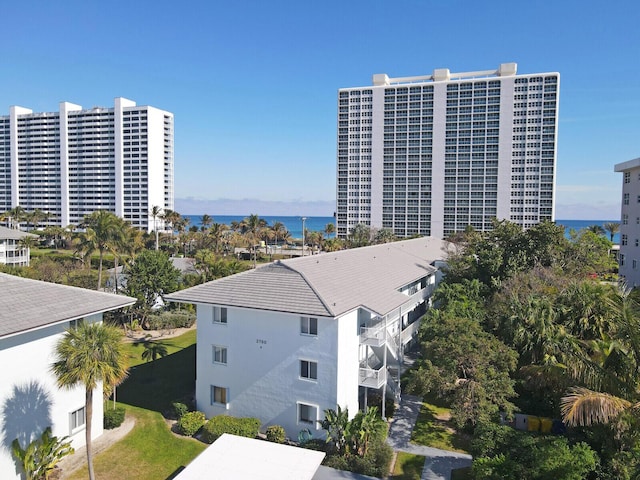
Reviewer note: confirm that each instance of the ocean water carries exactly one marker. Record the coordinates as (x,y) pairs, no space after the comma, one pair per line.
(313,224)
(293,224)
(580,224)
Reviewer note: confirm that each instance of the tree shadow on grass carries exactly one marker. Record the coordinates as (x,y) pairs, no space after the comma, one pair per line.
(155,385)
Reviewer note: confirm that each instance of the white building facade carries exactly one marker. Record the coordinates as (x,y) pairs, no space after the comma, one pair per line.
(75,161)
(33,318)
(629,256)
(432,154)
(288,340)
(12,250)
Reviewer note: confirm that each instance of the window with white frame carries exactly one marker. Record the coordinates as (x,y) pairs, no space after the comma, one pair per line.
(219,395)
(219,315)
(307,414)
(77,419)
(219,354)
(308,370)
(308,326)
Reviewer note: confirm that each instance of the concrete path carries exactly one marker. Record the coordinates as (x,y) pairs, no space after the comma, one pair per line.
(438,463)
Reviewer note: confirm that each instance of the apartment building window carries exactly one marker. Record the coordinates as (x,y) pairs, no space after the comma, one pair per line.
(219,395)
(308,414)
(308,370)
(624,239)
(634,264)
(219,315)
(77,419)
(625,199)
(219,354)
(621,257)
(627,177)
(625,219)
(308,326)
(637,242)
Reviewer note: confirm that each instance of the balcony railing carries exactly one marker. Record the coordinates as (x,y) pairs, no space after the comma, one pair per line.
(373,378)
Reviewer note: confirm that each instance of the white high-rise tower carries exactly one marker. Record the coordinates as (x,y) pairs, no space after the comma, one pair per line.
(73,162)
(430,155)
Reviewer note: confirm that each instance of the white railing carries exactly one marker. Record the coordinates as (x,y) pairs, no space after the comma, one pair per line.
(373,378)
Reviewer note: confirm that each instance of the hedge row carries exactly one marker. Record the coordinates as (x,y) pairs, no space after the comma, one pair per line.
(243,427)
(167,320)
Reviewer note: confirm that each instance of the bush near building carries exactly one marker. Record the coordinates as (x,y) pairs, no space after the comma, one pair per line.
(243,427)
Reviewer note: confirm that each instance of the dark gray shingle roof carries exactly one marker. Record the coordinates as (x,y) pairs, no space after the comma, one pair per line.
(27,304)
(328,284)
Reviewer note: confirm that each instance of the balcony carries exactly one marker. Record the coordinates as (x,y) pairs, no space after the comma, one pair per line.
(373,378)
(373,335)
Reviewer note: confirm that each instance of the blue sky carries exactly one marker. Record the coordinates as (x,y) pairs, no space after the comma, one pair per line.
(253,84)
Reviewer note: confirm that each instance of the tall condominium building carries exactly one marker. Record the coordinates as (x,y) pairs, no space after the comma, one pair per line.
(629,258)
(430,155)
(73,162)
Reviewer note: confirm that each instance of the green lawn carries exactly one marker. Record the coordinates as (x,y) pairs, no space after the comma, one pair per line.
(407,467)
(155,385)
(434,429)
(149,452)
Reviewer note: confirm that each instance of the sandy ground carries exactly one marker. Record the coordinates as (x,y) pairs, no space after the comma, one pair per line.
(142,335)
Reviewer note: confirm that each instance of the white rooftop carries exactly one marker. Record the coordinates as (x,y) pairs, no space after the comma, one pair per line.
(239,458)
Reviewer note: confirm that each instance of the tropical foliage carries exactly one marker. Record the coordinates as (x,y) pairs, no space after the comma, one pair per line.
(41,456)
(90,355)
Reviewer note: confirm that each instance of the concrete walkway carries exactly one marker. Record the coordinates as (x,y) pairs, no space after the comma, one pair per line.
(438,463)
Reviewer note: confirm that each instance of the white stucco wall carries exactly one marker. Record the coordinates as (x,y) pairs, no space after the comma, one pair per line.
(348,362)
(262,373)
(29,398)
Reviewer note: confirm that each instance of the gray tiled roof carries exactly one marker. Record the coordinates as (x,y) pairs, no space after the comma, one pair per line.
(328,284)
(14,234)
(27,304)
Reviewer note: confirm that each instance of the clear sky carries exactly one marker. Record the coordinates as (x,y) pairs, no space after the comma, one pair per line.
(253,84)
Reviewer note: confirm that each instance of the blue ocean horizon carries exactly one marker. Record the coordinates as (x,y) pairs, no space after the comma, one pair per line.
(315,224)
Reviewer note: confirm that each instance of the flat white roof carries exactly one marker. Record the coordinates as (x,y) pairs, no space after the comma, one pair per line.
(238,458)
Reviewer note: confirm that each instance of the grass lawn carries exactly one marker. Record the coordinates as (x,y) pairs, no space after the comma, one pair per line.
(149,452)
(155,385)
(434,429)
(408,467)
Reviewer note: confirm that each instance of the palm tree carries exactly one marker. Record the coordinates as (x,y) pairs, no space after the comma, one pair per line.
(613,387)
(16,215)
(252,227)
(105,230)
(278,229)
(206,222)
(597,229)
(155,213)
(216,232)
(612,228)
(329,229)
(87,356)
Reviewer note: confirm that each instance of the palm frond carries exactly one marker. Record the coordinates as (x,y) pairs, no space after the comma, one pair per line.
(584,407)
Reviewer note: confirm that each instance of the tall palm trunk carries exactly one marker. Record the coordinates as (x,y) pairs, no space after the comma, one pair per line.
(99,271)
(88,417)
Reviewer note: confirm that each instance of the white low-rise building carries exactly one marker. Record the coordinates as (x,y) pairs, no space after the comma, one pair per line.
(287,340)
(33,318)
(12,251)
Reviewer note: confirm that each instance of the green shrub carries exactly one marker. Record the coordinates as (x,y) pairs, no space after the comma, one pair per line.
(191,422)
(276,433)
(375,463)
(113,417)
(167,320)
(243,427)
(179,409)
